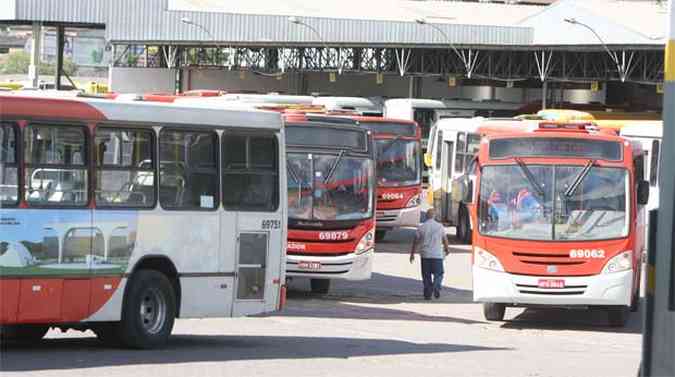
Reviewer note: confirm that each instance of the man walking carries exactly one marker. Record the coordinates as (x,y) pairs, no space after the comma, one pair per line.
(433,248)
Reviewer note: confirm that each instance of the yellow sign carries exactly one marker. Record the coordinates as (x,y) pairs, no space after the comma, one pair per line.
(452,81)
(331,76)
(509,84)
(379,78)
(279,77)
(595,86)
(242,75)
(659,88)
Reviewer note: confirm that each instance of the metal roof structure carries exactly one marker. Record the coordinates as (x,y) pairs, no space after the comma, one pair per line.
(609,39)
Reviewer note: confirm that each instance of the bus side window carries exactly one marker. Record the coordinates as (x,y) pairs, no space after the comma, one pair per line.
(188,170)
(460,147)
(9,167)
(125,167)
(56,165)
(639,163)
(654,163)
(439,149)
(250,172)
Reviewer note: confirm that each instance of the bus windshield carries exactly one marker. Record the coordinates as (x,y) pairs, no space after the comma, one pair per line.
(329,187)
(593,208)
(398,162)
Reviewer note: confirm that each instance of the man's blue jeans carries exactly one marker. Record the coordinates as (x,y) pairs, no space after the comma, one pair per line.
(432,267)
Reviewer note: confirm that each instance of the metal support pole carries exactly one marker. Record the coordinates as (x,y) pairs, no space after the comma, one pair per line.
(544,94)
(60,42)
(33,73)
(411,87)
(661,344)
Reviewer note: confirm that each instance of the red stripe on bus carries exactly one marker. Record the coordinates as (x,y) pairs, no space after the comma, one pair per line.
(48,108)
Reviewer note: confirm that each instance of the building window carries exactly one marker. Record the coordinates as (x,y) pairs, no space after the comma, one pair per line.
(56,165)
(125,168)
(250,173)
(9,167)
(188,170)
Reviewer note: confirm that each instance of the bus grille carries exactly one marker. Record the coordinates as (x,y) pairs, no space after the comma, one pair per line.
(387,218)
(571,290)
(546,259)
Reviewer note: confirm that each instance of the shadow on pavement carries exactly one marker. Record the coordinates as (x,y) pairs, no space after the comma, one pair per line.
(70,353)
(340,310)
(379,289)
(565,319)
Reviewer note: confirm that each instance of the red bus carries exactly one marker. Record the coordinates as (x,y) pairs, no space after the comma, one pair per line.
(399,172)
(560,217)
(331,200)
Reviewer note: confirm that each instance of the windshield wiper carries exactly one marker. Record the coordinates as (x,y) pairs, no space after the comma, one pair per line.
(334,167)
(530,177)
(579,178)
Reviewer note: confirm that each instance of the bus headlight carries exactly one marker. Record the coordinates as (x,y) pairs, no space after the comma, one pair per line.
(366,243)
(621,262)
(413,202)
(483,259)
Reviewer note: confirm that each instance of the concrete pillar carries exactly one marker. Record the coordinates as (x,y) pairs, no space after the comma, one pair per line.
(544,94)
(33,74)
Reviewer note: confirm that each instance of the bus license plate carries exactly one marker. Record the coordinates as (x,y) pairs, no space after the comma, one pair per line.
(379,214)
(550,283)
(309,265)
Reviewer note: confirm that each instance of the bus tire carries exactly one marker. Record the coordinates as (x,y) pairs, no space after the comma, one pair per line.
(149,310)
(463,226)
(618,316)
(493,311)
(320,286)
(22,333)
(380,234)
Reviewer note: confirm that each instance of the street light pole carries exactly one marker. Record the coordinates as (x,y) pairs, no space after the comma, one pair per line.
(297,21)
(187,21)
(469,63)
(623,70)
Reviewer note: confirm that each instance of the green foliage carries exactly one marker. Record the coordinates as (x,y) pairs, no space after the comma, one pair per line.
(18,63)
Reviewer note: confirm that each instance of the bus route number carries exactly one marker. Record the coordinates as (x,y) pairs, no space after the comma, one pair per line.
(271,224)
(586,253)
(334,236)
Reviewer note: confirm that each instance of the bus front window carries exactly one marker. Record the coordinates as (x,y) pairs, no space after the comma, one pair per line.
(329,187)
(511,206)
(398,162)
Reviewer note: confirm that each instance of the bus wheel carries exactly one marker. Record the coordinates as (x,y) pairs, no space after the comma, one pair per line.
(618,316)
(463,226)
(149,310)
(493,311)
(23,333)
(379,235)
(320,286)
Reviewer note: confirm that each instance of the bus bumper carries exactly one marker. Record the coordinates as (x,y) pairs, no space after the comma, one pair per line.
(345,267)
(396,218)
(521,290)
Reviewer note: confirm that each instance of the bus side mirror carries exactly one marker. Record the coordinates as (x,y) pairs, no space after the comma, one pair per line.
(427,160)
(643,193)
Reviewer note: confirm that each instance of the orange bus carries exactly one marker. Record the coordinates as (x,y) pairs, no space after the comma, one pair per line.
(560,220)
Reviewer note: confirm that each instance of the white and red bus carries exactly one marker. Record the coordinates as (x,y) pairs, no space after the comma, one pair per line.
(561,219)
(399,172)
(331,200)
(120,216)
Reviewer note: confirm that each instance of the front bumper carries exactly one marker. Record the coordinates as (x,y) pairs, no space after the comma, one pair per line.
(346,267)
(601,290)
(396,218)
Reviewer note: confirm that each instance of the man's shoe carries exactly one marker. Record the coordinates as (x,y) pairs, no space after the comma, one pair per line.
(437,294)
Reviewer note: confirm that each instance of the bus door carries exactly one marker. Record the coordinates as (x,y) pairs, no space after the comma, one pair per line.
(447,162)
(253,219)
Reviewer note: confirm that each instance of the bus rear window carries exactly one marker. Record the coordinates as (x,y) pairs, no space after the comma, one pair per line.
(309,135)
(555,147)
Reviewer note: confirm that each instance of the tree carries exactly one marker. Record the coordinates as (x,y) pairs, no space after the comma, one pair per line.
(18,63)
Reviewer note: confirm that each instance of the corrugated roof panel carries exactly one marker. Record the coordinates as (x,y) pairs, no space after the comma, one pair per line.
(76,11)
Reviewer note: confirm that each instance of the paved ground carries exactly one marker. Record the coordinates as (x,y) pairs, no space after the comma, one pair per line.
(380,327)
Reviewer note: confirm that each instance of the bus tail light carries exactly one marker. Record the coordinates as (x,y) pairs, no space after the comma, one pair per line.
(620,262)
(366,243)
(413,202)
(485,260)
